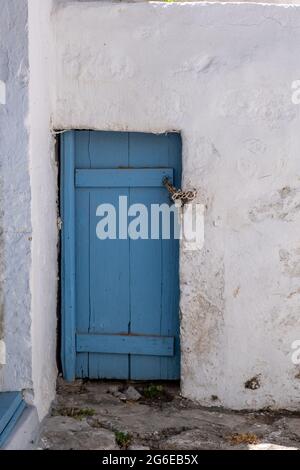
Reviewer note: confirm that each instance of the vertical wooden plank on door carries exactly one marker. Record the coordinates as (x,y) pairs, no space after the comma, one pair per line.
(82,243)
(109,287)
(145,289)
(109,261)
(170,367)
(68,255)
(154,263)
(82,274)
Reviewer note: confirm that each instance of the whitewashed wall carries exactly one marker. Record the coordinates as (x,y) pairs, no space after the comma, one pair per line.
(44,195)
(15,196)
(220,74)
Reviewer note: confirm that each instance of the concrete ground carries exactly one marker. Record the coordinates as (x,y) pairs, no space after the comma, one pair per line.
(111,415)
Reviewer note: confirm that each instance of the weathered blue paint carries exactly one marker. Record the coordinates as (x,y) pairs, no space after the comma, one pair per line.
(68,255)
(9,402)
(126,344)
(11,408)
(125,178)
(120,297)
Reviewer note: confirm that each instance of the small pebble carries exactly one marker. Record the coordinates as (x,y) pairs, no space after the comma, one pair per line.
(132,394)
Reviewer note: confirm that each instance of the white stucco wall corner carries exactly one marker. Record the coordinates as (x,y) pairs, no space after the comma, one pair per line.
(43,177)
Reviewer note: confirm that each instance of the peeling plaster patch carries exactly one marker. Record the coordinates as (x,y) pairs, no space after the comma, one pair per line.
(200,337)
(23,73)
(255,146)
(202,322)
(209,315)
(205,156)
(145,32)
(283,205)
(253,160)
(286,192)
(236,291)
(199,65)
(86,66)
(291,262)
(283,318)
(253,383)
(272,106)
(214,398)
(292,294)
(246,166)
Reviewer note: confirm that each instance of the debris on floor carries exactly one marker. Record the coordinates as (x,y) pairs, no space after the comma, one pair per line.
(99,415)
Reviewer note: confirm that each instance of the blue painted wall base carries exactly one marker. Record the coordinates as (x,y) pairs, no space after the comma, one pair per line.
(12,406)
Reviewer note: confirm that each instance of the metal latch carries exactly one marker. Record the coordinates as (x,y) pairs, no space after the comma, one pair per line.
(178,195)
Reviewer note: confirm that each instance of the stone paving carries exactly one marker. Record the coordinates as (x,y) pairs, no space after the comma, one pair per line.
(110,415)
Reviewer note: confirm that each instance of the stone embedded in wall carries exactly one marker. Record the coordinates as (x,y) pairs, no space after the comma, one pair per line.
(254,383)
(290,261)
(283,204)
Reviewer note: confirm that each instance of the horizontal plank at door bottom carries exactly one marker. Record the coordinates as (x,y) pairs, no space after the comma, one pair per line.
(117,178)
(126,344)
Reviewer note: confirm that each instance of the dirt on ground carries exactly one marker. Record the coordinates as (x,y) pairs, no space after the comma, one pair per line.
(98,415)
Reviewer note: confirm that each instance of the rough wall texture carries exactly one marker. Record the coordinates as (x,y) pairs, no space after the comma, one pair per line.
(15,222)
(220,74)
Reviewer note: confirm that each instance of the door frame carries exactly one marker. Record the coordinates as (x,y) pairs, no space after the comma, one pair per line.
(68,255)
(67,211)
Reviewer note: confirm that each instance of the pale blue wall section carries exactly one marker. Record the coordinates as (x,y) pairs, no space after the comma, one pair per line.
(15,221)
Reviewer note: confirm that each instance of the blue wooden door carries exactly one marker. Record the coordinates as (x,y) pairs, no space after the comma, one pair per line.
(120,297)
